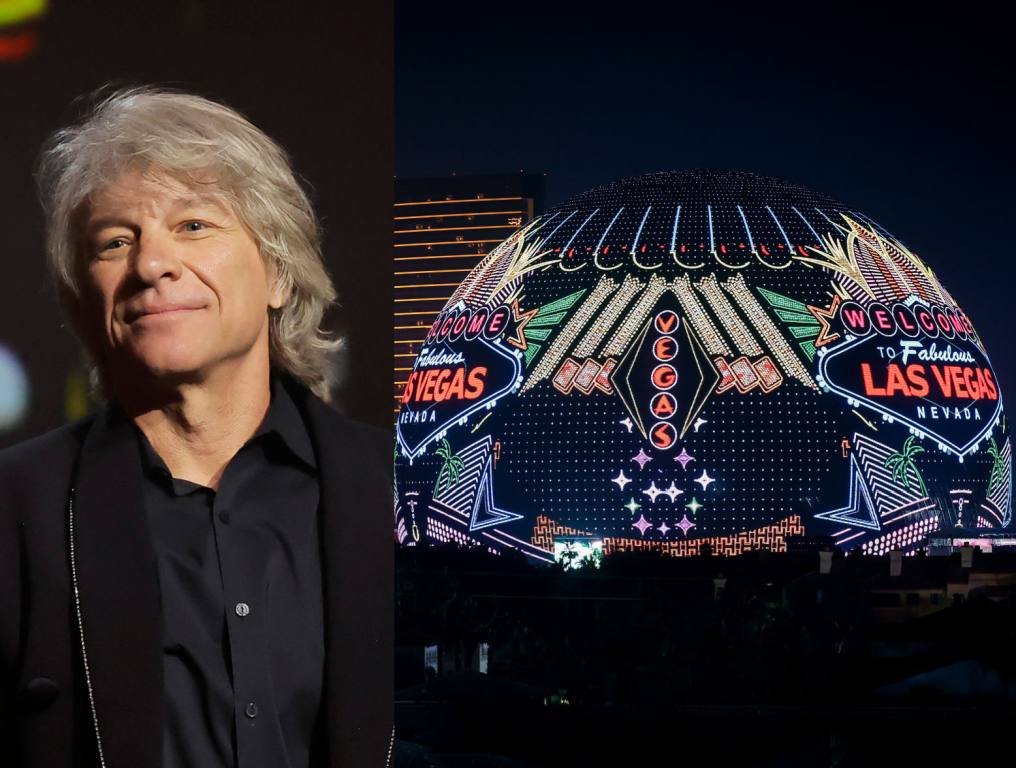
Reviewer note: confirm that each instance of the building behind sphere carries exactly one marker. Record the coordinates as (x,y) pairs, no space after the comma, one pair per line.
(443,227)
(700,358)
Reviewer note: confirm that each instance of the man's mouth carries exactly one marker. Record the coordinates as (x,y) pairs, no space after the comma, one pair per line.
(154,311)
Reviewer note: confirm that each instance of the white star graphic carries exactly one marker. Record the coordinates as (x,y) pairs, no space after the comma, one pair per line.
(627,423)
(704,480)
(632,505)
(652,492)
(673,492)
(621,480)
(699,422)
(663,528)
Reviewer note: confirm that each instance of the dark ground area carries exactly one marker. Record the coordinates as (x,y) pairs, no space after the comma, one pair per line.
(756,660)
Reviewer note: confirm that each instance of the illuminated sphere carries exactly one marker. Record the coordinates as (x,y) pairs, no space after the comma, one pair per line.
(695,358)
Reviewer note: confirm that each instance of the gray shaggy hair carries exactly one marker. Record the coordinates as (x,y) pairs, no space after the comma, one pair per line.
(194,139)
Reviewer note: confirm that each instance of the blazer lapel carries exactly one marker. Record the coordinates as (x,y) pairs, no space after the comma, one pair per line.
(119,594)
(358,576)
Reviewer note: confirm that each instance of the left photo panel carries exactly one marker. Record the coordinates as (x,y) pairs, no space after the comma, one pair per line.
(196,549)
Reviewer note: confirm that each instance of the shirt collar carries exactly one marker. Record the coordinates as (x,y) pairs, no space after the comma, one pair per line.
(283,420)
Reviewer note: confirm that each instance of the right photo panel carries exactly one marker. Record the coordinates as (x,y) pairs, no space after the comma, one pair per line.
(699,367)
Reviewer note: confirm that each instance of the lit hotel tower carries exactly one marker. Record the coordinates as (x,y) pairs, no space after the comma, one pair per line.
(443,227)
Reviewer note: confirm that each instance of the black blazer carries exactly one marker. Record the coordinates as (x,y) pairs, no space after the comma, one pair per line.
(80,662)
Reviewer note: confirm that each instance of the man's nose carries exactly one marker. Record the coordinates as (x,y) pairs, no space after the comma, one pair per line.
(156,258)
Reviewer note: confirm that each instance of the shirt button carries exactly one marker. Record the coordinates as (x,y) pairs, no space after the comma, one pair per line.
(242,609)
(251,710)
(224,517)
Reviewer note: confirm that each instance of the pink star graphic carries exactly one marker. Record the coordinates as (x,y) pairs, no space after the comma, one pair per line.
(642,524)
(641,458)
(663,527)
(685,525)
(684,457)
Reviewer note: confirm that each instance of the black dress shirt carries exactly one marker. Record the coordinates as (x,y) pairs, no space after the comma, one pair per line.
(241,595)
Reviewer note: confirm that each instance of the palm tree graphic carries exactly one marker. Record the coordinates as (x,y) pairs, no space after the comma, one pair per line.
(902,463)
(997,467)
(451,467)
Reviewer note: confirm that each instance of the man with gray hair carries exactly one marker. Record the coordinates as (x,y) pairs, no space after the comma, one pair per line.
(199,574)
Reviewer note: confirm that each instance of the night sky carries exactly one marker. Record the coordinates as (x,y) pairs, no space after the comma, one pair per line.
(908,119)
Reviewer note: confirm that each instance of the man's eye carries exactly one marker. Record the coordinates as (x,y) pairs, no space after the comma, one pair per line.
(116,242)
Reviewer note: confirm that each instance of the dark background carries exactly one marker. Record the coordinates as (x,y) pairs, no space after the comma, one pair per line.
(904,116)
(317,78)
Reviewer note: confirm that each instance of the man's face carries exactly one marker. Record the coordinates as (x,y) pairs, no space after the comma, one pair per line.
(174,283)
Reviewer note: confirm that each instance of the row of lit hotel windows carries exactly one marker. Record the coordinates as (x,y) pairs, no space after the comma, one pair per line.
(434,266)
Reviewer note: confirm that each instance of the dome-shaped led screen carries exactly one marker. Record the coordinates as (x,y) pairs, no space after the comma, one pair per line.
(700,357)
